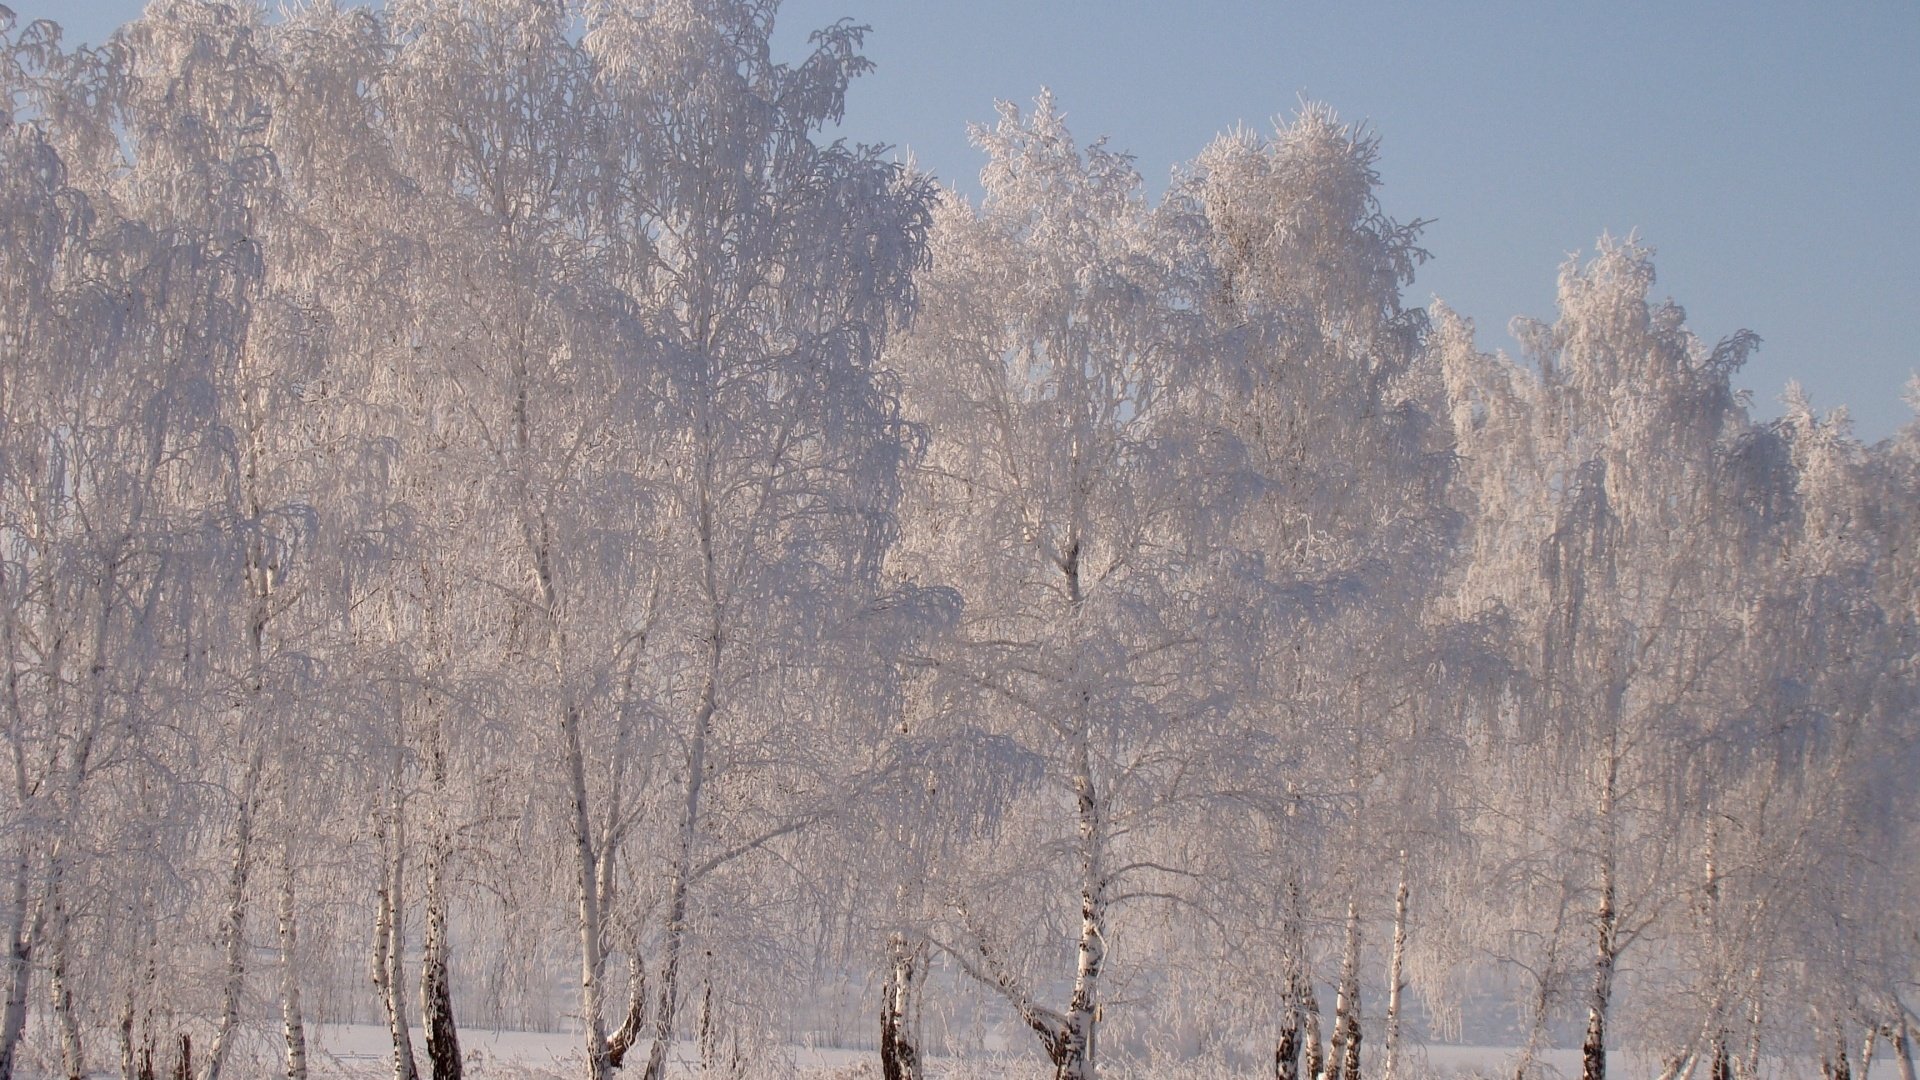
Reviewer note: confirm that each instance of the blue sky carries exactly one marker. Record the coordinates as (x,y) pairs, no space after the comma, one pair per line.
(1770,152)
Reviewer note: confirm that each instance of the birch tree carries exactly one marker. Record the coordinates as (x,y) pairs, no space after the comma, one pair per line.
(493,486)
(1066,501)
(728,280)
(1347,530)
(1630,415)
(108,478)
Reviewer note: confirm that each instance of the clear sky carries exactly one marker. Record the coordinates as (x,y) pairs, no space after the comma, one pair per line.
(1769,151)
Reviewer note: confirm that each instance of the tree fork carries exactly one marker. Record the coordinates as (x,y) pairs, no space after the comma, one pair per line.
(636,1018)
(683,857)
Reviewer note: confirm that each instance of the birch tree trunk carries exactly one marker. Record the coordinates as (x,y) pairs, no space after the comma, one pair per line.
(1542,1003)
(1079,1050)
(1593,1047)
(1077,1054)
(1286,1050)
(129,1010)
(292,1017)
(389,935)
(1294,992)
(709,1031)
(129,1057)
(19,959)
(636,1018)
(235,930)
(1903,1049)
(60,994)
(1396,976)
(1345,1062)
(292,1021)
(136,1057)
(260,579)
(586,895)
(899,1011)
(1838,1067)
(19,942)
(1315,1049)
(681,881)
(58,924)
(538,531)
(1722,1060)
(436,993)
(1750,1065)
(683,855)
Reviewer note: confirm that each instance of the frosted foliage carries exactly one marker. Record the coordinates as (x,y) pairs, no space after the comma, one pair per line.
(1065,496)
(506,523)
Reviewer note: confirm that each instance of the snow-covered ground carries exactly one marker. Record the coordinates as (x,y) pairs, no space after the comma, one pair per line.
(361,1052)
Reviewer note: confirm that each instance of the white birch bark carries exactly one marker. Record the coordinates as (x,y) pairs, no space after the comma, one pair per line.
(538,534)
(59,992)
(900,1056)
(1317,1062)
(260,580)
(19,943)
(1750,1064)
(1524,1061)
(1344,1062)
(1606,948)
(136,1058)
(234,923)
(1903,1048)
(436,992)
(19,940)
(635,1021)
(292,1019)
(57,923)
(586,896)
(1835,1066)
(1396,977)
(129,1055)
(389,936)
(1294,990)
(675,927)
(1079,1058)
(1287,1048)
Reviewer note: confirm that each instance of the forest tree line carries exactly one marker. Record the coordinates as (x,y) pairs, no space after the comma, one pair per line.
(497,506)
